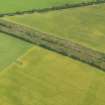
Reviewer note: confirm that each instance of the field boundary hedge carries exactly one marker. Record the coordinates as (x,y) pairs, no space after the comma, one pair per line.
(53,8)
(54,43)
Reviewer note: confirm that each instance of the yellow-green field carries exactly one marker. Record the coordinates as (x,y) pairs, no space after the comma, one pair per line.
(42,77)
(10,49)
(84,25)
(31,75)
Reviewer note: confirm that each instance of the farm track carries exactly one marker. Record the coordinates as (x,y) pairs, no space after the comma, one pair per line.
(54,8)
(54,43)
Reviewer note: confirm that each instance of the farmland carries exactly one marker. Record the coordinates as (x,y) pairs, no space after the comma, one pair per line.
(54,43)
(11,49)
(17,5)
(33,74)
(84,25)
(43,77)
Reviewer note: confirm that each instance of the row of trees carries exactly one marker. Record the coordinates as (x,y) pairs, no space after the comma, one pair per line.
(65,47)
(54,8)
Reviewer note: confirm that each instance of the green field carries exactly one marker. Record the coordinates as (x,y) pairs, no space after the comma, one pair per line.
(31,75)
(84,25)
(42,77)
(10,49)
(21,5)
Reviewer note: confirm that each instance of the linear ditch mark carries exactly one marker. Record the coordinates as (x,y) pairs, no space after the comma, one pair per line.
(54,43)
(54,8)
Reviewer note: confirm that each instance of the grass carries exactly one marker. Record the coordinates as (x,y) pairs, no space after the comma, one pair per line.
(11,49)
(42,77)
(84,25)
(17,5)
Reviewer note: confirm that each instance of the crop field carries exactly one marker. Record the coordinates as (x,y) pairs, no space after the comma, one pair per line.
(11,49)
(35,75)
(84,25)
(42,77)
(17,5)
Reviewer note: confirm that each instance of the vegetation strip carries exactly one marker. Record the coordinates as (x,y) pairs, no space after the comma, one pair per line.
(57,44)
(53,8)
